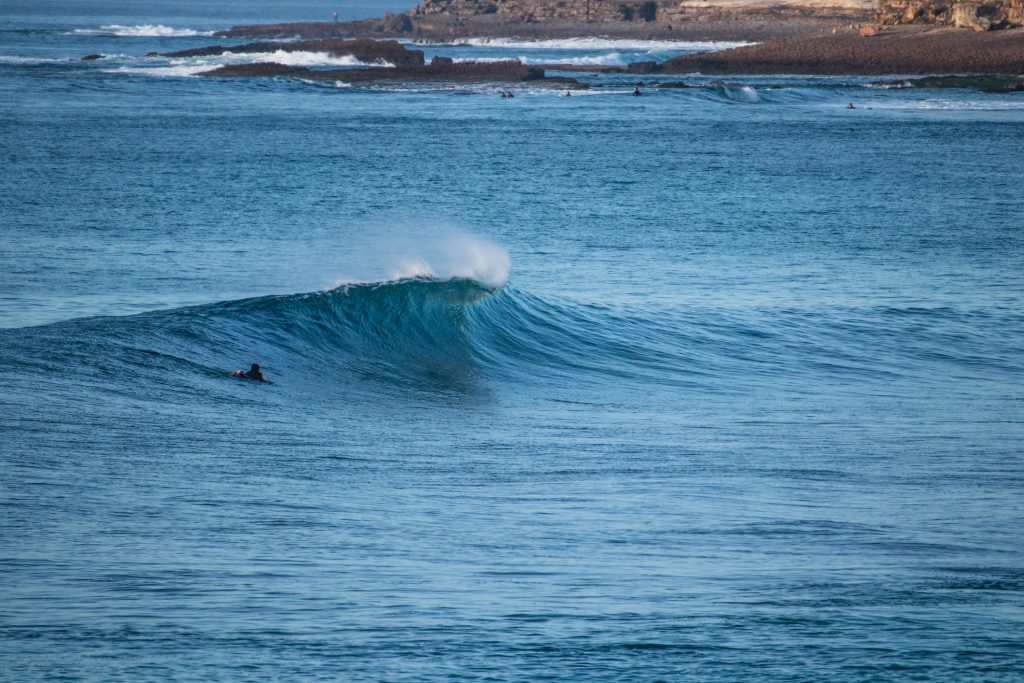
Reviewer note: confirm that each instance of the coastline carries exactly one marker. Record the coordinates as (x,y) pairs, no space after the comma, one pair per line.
(903,50)
(811,38)
(757,26)
(801,39)
(909,50)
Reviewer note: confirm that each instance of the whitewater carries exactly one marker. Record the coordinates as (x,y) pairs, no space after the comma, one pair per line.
(722,382)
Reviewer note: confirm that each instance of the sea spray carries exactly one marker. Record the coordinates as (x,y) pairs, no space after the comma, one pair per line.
(406,253)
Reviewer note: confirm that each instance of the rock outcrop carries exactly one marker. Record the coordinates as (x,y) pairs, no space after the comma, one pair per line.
(990,84)
(980,15)
(900,50)
(439,71)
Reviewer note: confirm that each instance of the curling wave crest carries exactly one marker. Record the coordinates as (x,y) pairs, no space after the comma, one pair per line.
(431,335)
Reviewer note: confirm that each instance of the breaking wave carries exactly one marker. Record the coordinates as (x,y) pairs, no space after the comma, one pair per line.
(613,59)
(743,94)
(143,30)
(16,59)
(196,65)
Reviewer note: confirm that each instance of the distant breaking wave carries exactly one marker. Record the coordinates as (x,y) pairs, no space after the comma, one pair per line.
(736,92)
(613,59)
(143,30)
(192,66)
(292,59)
(16,59)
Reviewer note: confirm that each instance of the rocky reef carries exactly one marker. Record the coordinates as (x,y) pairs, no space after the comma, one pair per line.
(439,70)
(827,37)
(989,84)
(902,50)
(980,15)
(403,64)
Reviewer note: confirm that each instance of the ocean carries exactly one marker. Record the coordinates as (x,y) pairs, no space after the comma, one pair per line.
(720,383)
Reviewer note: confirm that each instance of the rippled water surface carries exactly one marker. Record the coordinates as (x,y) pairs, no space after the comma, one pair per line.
(718,383)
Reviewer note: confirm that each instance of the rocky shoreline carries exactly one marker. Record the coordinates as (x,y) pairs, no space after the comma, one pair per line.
(753,27)
(906,37)
(693,20)
(909,50)
(389,60)
(814,37)
(904,50)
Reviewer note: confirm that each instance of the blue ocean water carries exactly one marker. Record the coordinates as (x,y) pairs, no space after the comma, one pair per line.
(718,383)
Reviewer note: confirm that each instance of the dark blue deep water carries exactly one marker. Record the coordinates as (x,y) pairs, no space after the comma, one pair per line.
(717,384)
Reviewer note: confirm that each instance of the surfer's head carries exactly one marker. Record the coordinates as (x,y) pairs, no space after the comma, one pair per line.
(255,367)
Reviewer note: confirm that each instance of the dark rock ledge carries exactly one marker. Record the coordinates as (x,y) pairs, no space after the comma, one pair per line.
(440,70)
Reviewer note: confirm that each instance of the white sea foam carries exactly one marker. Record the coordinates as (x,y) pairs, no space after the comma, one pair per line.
(143,30)
(15,59)
(190,66)
(741,93)
(171,71)
(461,256)
(889,85)
(293,59)
(999,103)
(402,254)
(613,59)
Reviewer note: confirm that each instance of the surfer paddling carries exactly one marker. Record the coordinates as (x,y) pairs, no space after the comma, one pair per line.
(253,373)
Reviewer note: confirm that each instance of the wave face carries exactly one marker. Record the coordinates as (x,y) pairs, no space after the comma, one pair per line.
(427,335)
(403,331)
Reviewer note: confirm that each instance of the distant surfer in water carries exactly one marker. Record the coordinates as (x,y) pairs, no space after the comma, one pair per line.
(636,92)
(253,373)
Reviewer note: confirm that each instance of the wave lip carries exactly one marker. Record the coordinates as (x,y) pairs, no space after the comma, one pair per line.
(736,92)
(143,31)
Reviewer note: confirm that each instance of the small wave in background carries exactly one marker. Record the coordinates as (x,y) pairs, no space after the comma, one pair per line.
(143,31)
(196,65)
